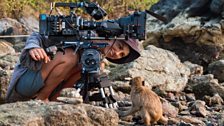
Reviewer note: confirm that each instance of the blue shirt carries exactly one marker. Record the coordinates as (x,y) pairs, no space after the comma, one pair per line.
(34,41)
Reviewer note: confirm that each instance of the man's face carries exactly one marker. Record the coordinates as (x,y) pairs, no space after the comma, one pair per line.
(117,51)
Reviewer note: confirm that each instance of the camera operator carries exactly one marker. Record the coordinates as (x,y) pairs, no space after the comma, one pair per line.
(36,75)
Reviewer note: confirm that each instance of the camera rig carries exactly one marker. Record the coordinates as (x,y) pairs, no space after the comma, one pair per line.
(132,26)
(71,30)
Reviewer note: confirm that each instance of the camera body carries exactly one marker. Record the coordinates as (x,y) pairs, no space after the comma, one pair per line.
(132,26)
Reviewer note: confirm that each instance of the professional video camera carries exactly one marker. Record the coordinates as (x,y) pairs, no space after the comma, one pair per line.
(132,26)
(67,30)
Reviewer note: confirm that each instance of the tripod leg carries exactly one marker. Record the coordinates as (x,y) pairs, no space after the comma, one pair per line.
(112,99)
(104,97)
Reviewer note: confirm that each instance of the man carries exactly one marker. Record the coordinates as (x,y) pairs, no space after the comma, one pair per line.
(36,76)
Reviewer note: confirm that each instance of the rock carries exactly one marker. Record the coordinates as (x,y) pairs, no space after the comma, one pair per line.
(10,26)
(217,69)
(124,103)
(194,31)
(206,85)
(180,106)
(221,121)
(70,96)
(197,7)
(181,96)
(122,86)
(124,123)
(70,100)
(70,92)
(55,113)
(190,97)
(184,113)
(170,8)
(215,100)
(195,69)
(172,121)
(31,24)
(6,48)
(192,120)
(171,97)
(169,110)
(158,67)
(216,6)
(198,109)
(4,81)
(7,64)
(184,124)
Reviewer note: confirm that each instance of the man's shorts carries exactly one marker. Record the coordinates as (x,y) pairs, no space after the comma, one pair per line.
(29,83)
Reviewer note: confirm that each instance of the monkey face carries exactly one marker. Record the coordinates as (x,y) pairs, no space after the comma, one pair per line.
(137,81)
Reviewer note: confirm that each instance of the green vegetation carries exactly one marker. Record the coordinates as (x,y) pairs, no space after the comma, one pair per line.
(114,8)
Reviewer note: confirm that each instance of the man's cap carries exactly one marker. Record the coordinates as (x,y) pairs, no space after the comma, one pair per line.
(133,54)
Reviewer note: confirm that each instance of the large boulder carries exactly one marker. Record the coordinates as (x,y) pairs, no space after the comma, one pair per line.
(10,26)
(158,67)
(193,31)
(30,23)
(54,114)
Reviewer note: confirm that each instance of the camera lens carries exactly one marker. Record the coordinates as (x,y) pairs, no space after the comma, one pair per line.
(90,60)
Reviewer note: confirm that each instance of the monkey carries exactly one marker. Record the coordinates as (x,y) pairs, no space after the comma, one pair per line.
(146,102)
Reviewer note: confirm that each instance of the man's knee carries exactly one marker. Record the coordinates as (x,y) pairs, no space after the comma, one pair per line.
(69,58)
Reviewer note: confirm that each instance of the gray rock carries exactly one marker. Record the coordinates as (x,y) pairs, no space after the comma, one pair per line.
(198,38)
(7,64)
(4,81)
(206,85)
(31,24)
(192,120)
(184,124)
(6,48)
(184,113)
(217,69)
(195,69)
(216,6)
(10,26)
(170,8)
(122,86)
(190,97)
(215,100)
(169,110)
(158,67)
(198,109)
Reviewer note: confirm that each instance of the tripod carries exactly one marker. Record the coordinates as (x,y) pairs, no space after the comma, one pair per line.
(102,82)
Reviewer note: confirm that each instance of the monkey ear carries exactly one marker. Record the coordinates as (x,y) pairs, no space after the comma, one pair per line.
(130,82)
(143,83)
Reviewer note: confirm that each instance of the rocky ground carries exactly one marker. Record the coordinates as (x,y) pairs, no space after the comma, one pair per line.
(181,60)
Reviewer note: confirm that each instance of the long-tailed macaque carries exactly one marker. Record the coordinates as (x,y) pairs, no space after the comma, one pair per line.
(146,102)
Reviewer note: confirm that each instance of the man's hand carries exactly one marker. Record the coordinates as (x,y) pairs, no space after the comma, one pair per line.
(39,54)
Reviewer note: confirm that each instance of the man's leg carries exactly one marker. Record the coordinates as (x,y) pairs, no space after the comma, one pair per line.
(56,71)
(69,82)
